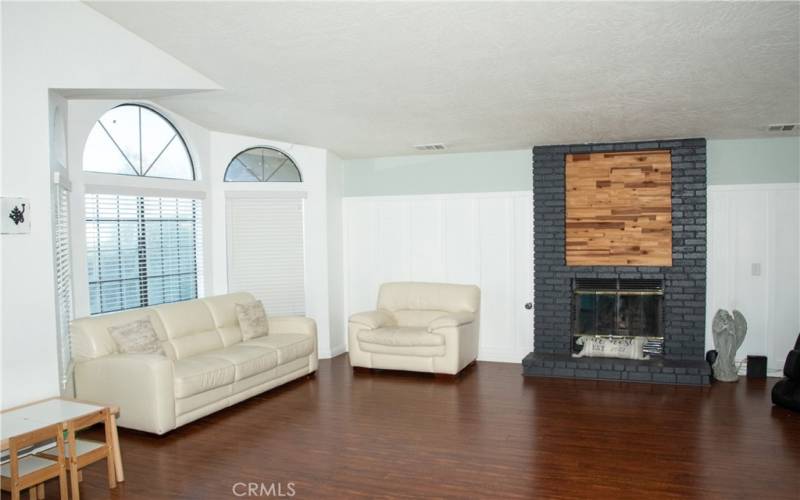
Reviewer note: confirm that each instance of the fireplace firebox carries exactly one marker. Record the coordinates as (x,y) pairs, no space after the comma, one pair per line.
(619,308)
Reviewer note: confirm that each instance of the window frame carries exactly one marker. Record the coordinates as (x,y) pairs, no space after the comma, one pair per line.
(169,122)
(83,116)
(258,181)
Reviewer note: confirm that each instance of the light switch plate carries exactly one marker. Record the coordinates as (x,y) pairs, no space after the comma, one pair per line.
(755,269)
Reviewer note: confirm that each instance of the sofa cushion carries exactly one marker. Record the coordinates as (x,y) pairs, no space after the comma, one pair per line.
(248,361)
(289,346)
(401,336)
(190,328)
(421,351)
(201,373)
(223,310)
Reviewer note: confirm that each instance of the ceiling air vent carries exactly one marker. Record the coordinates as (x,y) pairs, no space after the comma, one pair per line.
(430,147)
(783,127)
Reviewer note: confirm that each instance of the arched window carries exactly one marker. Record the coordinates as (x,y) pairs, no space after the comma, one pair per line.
(262,164)
(135,140)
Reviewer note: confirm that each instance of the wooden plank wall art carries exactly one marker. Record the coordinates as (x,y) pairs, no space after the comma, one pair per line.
(619,209)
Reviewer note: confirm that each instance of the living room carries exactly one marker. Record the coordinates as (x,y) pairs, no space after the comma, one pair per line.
(402,249)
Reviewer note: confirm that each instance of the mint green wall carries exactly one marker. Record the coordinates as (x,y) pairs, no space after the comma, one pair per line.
(735,161)
(753,161)
(439,173)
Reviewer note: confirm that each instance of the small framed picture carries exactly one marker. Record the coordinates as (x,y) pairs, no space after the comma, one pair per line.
(16,213)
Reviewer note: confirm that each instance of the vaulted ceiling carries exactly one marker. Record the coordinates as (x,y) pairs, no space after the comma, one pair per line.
(374,79)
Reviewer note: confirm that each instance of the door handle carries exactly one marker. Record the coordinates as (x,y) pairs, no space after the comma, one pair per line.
(529,306)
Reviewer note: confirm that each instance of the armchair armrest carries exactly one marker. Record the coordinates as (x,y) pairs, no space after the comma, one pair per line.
(372,319)
(140,384)
(292,324)
(452,320)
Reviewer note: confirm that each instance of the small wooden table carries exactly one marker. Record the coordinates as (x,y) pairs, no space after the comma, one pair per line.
(40,414)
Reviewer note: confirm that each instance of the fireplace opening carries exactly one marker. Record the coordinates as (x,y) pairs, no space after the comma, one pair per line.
(619,308)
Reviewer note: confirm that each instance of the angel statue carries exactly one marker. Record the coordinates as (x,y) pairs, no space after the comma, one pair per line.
(729,332)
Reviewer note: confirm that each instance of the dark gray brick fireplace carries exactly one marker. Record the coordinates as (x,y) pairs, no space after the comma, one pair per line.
(685,281)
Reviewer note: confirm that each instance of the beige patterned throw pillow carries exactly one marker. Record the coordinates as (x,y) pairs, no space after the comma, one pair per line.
(136,337)
(252,319)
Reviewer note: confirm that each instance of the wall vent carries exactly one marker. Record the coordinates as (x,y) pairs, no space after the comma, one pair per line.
(430,147)
(783,127)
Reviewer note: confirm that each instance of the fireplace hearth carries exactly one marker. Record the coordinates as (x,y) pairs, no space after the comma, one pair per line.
(663,301)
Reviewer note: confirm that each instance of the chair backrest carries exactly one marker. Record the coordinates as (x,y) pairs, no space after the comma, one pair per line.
(185,328)
(96,417)
(22,441)
(417,304)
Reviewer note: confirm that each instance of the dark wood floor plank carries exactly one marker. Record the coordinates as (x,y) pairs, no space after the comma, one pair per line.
(490,433)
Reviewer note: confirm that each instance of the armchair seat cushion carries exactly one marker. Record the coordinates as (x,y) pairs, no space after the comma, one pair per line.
(247,361)
(419,351)
(201,373)
(289,346)
(401,336)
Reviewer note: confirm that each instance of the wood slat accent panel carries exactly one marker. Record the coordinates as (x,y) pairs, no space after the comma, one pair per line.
(619,209)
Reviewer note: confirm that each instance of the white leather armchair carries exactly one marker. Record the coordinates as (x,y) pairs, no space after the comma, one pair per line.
(425,327)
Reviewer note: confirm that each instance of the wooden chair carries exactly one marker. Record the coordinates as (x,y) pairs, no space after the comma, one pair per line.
(86,451)
(31,471)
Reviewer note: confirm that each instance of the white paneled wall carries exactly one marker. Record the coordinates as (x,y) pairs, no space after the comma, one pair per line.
(754,264)
(486,239)
(478,238)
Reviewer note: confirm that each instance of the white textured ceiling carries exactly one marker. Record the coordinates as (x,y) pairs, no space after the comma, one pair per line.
(373,79)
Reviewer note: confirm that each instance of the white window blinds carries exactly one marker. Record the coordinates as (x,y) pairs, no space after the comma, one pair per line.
(63,271)
(265,251)
(142,250)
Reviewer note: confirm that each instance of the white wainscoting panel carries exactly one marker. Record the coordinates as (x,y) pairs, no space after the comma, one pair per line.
(754,264)
(478,238)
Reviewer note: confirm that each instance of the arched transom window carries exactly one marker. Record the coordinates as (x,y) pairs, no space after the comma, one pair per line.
(135,140)
(262,164)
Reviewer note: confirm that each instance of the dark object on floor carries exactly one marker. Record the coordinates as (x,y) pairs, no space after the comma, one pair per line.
(786,393)
(711,356)
(756,367)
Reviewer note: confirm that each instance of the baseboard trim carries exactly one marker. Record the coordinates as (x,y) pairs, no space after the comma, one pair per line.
(501,356)
(332,353)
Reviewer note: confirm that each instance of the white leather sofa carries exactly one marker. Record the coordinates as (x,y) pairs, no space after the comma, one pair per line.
(207,366)
(423,327)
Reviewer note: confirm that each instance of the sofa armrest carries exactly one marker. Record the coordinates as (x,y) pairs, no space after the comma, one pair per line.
(452,320)
(292,324)
(373,319)
(140,384)
(297,324)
